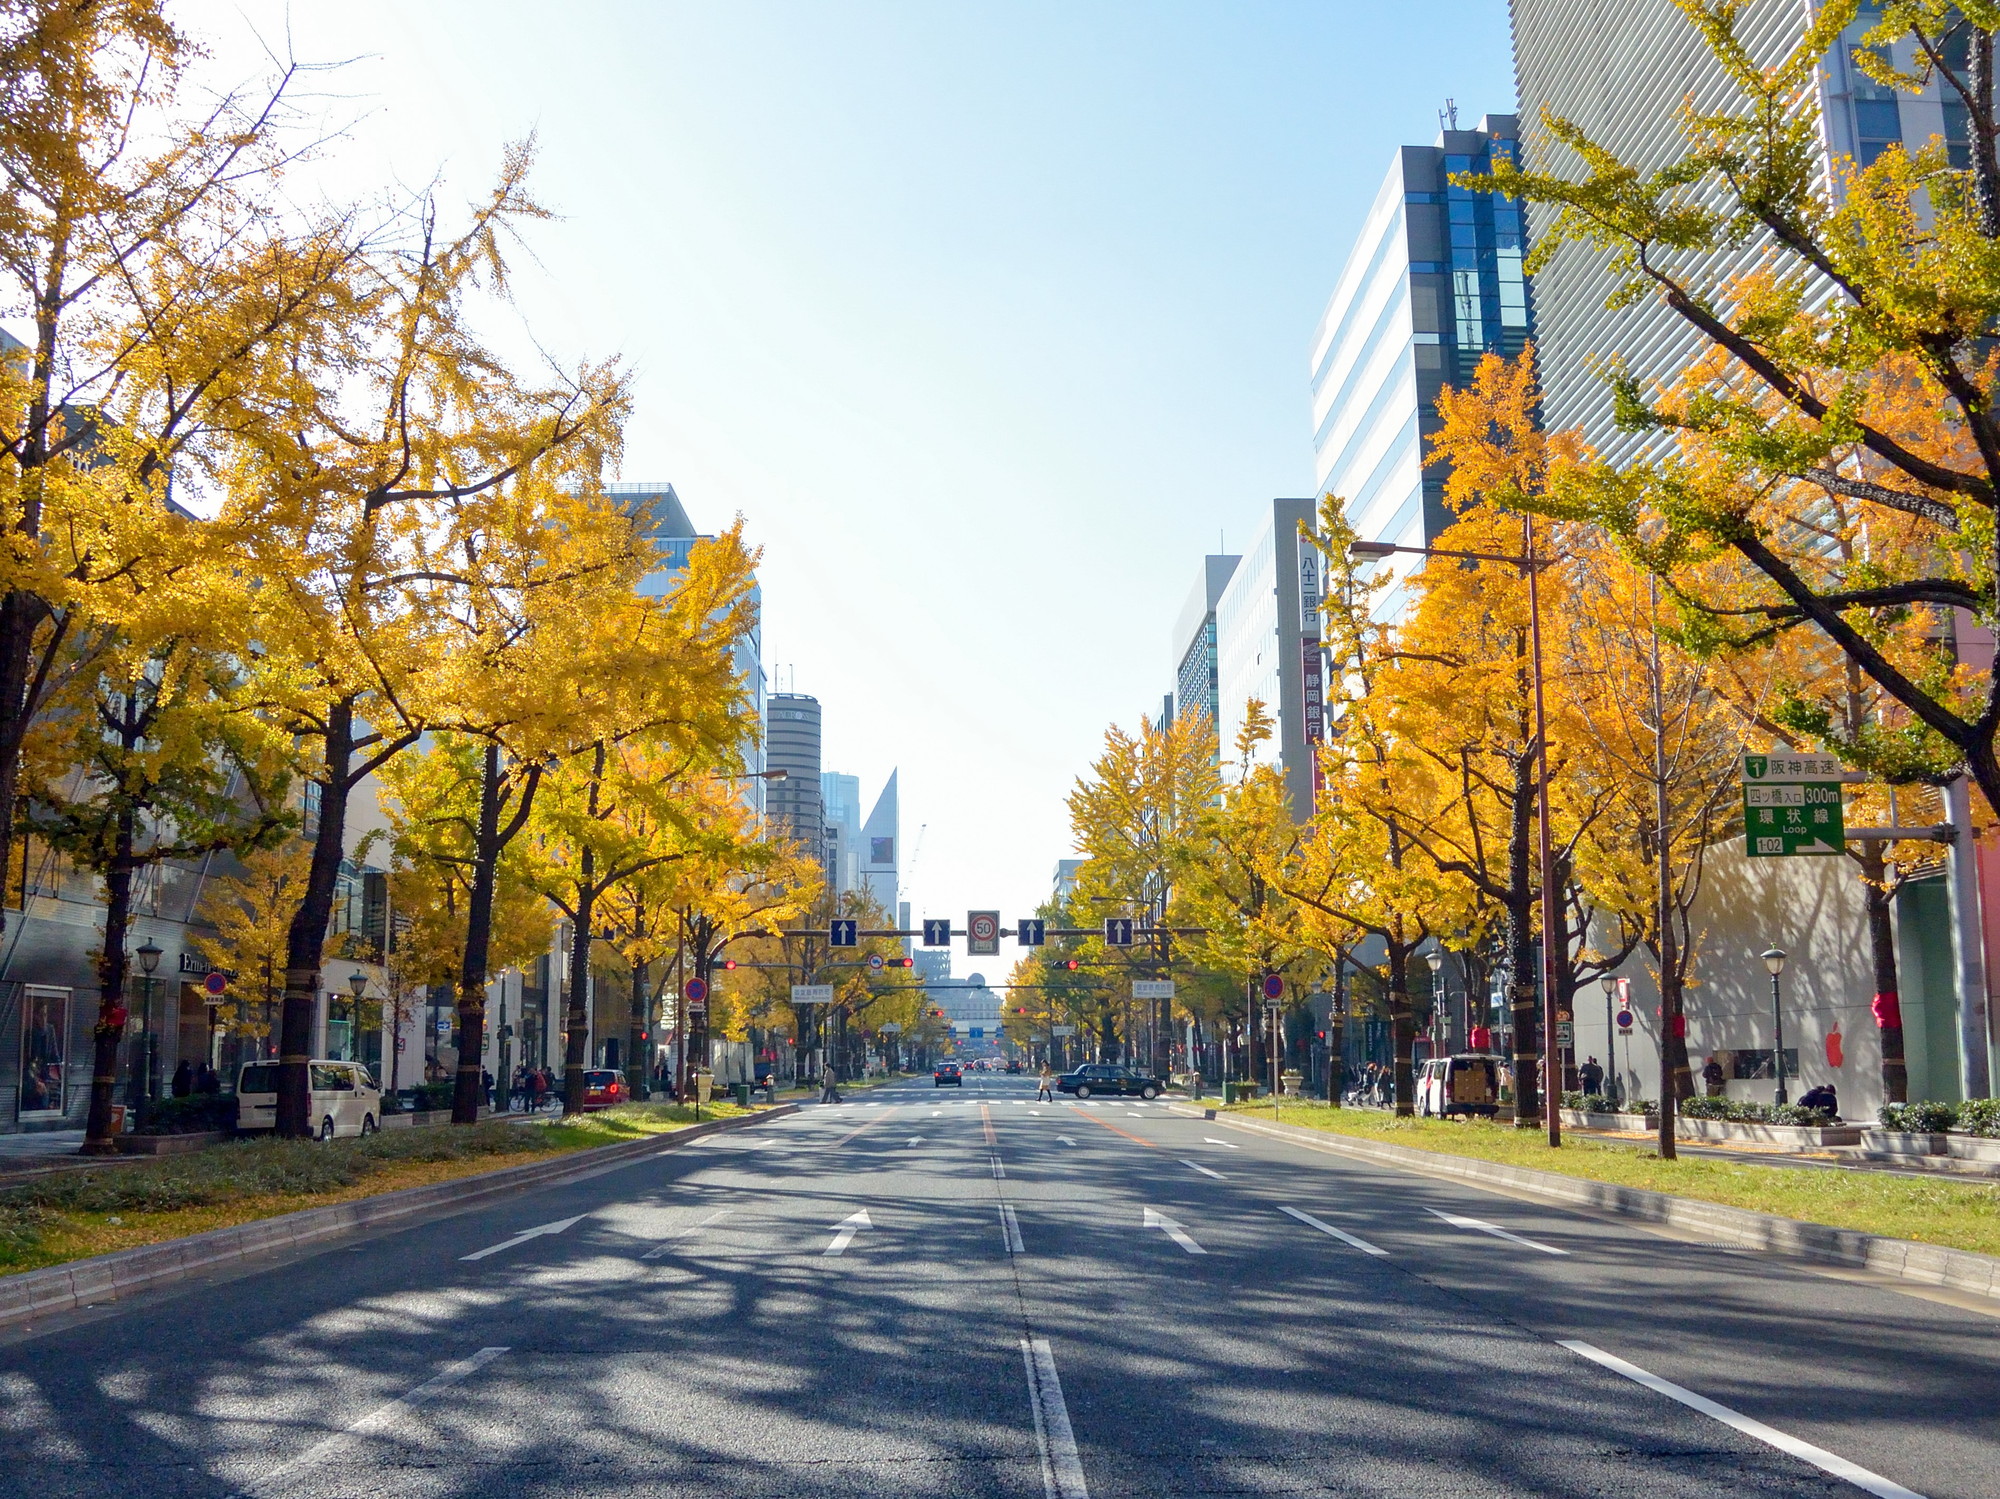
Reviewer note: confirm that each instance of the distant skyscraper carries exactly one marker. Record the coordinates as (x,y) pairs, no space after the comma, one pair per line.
(792,744)
(1065,884)
(657,512)
(841,797)
(880,836)
(1433,283)
(1623,70)
(1267,646)
(1194,640)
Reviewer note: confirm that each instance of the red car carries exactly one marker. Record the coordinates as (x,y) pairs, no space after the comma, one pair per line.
(602,1087)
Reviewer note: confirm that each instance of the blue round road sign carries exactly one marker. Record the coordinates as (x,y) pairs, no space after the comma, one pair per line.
(696,991)
(1274,987)
(1624,1020)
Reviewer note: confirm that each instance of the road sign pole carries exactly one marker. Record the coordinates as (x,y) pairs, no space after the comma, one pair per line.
(1968,957)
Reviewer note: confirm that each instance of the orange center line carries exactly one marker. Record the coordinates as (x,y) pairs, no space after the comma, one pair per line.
(986,1119)
(1149,1144)
(869,1125)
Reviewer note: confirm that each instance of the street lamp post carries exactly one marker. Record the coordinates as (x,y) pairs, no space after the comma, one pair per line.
(148,1073)
(1774,960)
(1609,982)
(1531,565)
(1435,959)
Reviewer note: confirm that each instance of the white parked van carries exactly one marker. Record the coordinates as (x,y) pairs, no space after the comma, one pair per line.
(345,1099)
(1468,1083)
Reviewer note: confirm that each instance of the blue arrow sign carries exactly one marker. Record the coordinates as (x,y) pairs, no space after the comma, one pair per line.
(842,934)
(1117,931)
(937,933)
(1031,933)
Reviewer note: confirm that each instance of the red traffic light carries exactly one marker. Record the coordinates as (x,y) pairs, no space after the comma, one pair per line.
(729,963)
(902,963)
(1072,965)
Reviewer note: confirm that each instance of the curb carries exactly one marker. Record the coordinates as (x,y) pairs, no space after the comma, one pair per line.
(110,1277)
(1897,1259)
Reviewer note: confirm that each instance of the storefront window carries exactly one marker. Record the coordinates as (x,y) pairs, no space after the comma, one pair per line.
(45,1025)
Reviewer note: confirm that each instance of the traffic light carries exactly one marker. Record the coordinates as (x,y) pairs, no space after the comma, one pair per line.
(901,963)
(1071,964)
(729,963)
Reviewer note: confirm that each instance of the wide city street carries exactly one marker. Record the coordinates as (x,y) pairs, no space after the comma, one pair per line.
(929,1291)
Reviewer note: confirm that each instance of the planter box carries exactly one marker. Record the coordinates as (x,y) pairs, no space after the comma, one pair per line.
(1971,1148)
(1629,1123)
(1791,1136)
(1901,1142)
(397,1121)
(169,1144)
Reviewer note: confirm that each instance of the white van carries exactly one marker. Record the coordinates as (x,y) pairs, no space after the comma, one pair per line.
(1468,1083)
(345,1099)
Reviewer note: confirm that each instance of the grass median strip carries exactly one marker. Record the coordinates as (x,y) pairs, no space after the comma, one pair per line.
(1954,1214)
(72,1214)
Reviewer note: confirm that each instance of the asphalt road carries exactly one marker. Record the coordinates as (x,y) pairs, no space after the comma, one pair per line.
(933,1292)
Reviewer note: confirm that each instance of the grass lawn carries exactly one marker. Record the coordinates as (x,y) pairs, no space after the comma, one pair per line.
(70,1214)
(1956,1214)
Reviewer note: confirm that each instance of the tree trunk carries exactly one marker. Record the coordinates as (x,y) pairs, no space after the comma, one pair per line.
(468,1091)
(637,1072)
(305,941)
(1523,1013)
(111,1012)
(576,1055)
(1888,1006)
(1402,1032)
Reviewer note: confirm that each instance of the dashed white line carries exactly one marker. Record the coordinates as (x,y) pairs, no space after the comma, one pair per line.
(1327,1228)
(1157,1219)
(999,1169)
(659,1250)
(1066,1139)
(1211,1140)
(1010,1229)
(1498,1232)
(1062,1469)
(382,1416)
(1819,1457)
(1192,1166)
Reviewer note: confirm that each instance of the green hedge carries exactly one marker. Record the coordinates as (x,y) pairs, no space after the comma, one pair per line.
(196,1114)
(1740,1111)
(1928,1118)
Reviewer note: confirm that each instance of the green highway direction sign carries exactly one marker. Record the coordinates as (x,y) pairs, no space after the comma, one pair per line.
(1792,804)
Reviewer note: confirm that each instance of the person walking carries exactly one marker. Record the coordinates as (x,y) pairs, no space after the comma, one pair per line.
(1712,1077)
(829,1085)
(538,1087)
(1045,1089)
(1591,1076)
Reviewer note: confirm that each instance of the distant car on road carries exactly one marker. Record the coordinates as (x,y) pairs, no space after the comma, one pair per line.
(947,1074)
(602,1087)
(1013,1068)
(1100,1077)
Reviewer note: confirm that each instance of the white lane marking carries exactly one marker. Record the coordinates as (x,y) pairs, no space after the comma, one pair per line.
(660,1249)
(379,1418)
(937,1113)
(844,1235)
(1498,1232)
(1819,1457)
(916,1139)
(526,1234)
(1010,1229)
(1157,1219)
(1066,1139)
(1205,1171)
(999,1170)
(1038,1112)
(1327,1228)
(1062,1469)
(1211,1140)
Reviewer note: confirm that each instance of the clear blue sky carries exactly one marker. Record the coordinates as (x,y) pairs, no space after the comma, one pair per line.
(987,318)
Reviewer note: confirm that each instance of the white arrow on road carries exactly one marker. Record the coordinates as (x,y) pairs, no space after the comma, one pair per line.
(521,1238)
(916,1139)
(1157,1219)
(844,1235)
(1066,1139)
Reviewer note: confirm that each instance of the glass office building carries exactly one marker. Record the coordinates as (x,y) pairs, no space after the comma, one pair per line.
(1434,283)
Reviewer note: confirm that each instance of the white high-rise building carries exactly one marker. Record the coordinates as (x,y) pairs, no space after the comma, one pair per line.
(841,796)
(1267,647)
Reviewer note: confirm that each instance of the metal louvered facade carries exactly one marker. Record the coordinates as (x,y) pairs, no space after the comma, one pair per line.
(1621,69)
